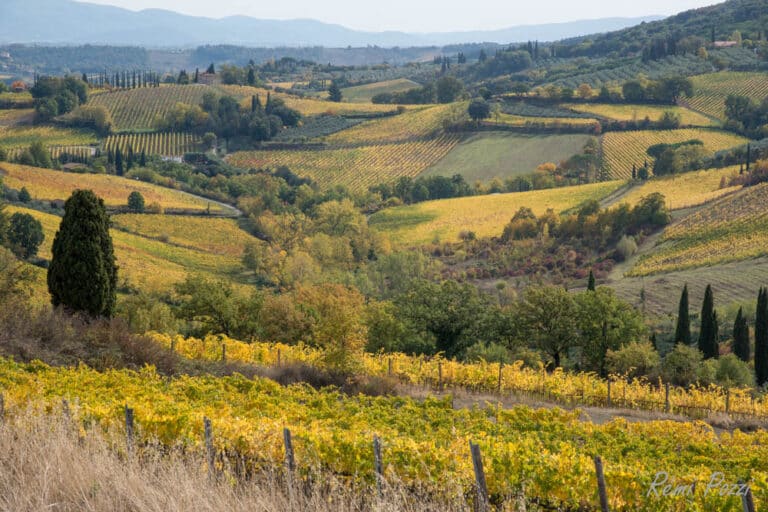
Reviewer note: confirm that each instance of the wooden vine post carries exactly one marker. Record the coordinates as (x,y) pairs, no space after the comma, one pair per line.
(290,465)
(482,504)
(128,429)
(377,466)
(601,489)
(210,454)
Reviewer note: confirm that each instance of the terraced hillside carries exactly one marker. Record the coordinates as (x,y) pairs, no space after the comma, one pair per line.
(484,215)
(620,112)
(164,144)
(18,137)
(622,150)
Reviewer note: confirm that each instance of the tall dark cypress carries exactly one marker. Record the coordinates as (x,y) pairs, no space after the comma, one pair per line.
(683,330)
(119,162)
(591,281)
(708,333)
(82,275)
(761,338)
(741,337)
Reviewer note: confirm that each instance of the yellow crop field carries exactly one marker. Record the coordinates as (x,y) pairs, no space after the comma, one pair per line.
(138,109)
(622,150)
(22,136)
(711,90)
(165,144)
(213,235)
(151,265)
(687,189)
(47,184)
(514,120)
(733,228)
(307,106)
(356,168)
(484,215)
(410,125)
(640,112)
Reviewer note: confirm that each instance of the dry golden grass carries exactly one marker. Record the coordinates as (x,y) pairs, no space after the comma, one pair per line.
(50,462)
(687,189)
(47,184)
(484,215)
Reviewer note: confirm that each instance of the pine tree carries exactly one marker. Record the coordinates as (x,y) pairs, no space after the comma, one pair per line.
(197,75)
(82,275)
(708,333)
(683,330)
(251,76)
(741,337)
(591,281)
(334,93)
(761,338)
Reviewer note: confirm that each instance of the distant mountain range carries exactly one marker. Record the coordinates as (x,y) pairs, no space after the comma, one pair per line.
(69,22)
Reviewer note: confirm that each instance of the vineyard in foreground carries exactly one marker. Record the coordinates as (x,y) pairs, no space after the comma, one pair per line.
(356,168)
(733,228)
(487,215)
(545,455)
(622,150)
(164,144)
(711,90)
(436,372)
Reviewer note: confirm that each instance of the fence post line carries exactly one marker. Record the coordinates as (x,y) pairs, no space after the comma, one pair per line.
(667,407)
(173,344)
(290,465)
(223,352)
(377,466)
(440,376)
(727,400)
(278,358)
(601,490)
(609,392)
(128,429)
(482,487)
(389,367)
(209,452)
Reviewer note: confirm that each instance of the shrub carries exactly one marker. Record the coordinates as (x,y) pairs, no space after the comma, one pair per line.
(633,360)
(626,247)
(681,365)
(136,202)
(733,372)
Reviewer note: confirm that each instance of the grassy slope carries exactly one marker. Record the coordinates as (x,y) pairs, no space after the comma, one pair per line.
(485,215)
(22,136)
(640,112)
(47,184)
(364,93)
(155,265)
(684,190)
(503,155)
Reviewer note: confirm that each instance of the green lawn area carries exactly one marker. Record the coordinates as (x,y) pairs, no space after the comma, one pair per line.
(500,154)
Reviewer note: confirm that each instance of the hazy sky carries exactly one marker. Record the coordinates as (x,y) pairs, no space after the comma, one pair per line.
(420,15)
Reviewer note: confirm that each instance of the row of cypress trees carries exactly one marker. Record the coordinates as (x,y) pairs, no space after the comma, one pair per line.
(708,334)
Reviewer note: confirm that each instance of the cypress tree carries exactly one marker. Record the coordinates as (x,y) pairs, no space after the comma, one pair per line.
(591,281)
(761,338)
(143,158)
(82,275)
(118,162)
(708,333)
(748,152)
(683,330)
(741,337)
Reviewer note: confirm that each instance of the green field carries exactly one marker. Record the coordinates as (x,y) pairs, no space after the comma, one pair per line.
(485,215)
(364,93)
(503,155)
